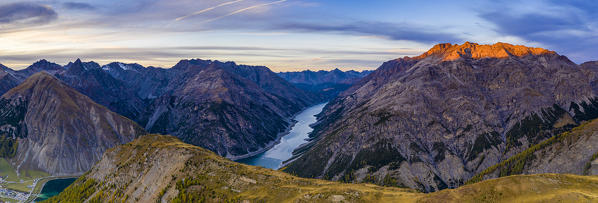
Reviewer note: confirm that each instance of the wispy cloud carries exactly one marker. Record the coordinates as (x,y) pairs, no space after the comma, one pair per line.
(243,10)
(26,13)
(207,9)
(393,31)
(78,6)
(569,28)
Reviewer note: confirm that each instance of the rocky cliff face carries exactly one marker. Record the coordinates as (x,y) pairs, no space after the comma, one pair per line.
(433,121)
(89,79)
(156,168)
(48,126)
(325,84)
(148,82)
(571,152)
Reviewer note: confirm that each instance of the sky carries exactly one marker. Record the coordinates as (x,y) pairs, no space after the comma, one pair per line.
(285,35)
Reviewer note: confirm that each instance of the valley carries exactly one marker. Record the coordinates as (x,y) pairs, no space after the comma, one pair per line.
(298,135)
(409,131)
(280,101)
(263,103)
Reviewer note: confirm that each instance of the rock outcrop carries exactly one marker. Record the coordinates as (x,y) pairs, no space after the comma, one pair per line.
(433,121)
(48,126)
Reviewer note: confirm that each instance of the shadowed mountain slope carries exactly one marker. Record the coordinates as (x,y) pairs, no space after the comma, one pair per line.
(235,110)
(48,126)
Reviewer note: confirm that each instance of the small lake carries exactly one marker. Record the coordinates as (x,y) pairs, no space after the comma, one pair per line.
(274,157)
(53,187)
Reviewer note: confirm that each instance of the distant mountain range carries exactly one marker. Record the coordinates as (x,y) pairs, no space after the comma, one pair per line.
(434,121)
(325,84)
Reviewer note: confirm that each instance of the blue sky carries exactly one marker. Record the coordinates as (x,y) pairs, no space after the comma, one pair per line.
(283,34)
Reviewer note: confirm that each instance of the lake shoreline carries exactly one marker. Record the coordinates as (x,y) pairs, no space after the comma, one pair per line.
(282,149)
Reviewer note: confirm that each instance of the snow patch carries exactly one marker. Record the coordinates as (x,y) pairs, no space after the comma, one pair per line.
(125,67)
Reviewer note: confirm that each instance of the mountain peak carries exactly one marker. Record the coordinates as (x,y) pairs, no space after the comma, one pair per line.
(3,67)
(41,76)
(79,67)
(44,65)
(451,52)
(40,79)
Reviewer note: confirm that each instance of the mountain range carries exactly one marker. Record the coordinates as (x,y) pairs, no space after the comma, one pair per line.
(325,84)
(234,110)
(434,121)
(453,117)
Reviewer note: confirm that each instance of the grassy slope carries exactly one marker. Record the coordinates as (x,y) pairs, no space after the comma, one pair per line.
(27,176)
(206,176)
(524,188)
(6,170)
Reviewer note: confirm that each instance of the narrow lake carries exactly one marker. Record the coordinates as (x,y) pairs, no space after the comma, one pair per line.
(274,157)
(53,187)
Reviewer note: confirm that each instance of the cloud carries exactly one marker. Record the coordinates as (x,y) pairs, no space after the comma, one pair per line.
(243,10)
(207,9)
(294,50)
(168,56)
(388,30)
(78,6)
(569,28)
(26,13)
(530,24)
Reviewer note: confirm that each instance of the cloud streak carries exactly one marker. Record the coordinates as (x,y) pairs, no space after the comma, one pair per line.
(207,9)
(26,13)
(243,10)
(388,30)
(566,28)
(78,6)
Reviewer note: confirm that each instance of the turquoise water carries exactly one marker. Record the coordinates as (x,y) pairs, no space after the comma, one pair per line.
(53,187)
(274,157)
